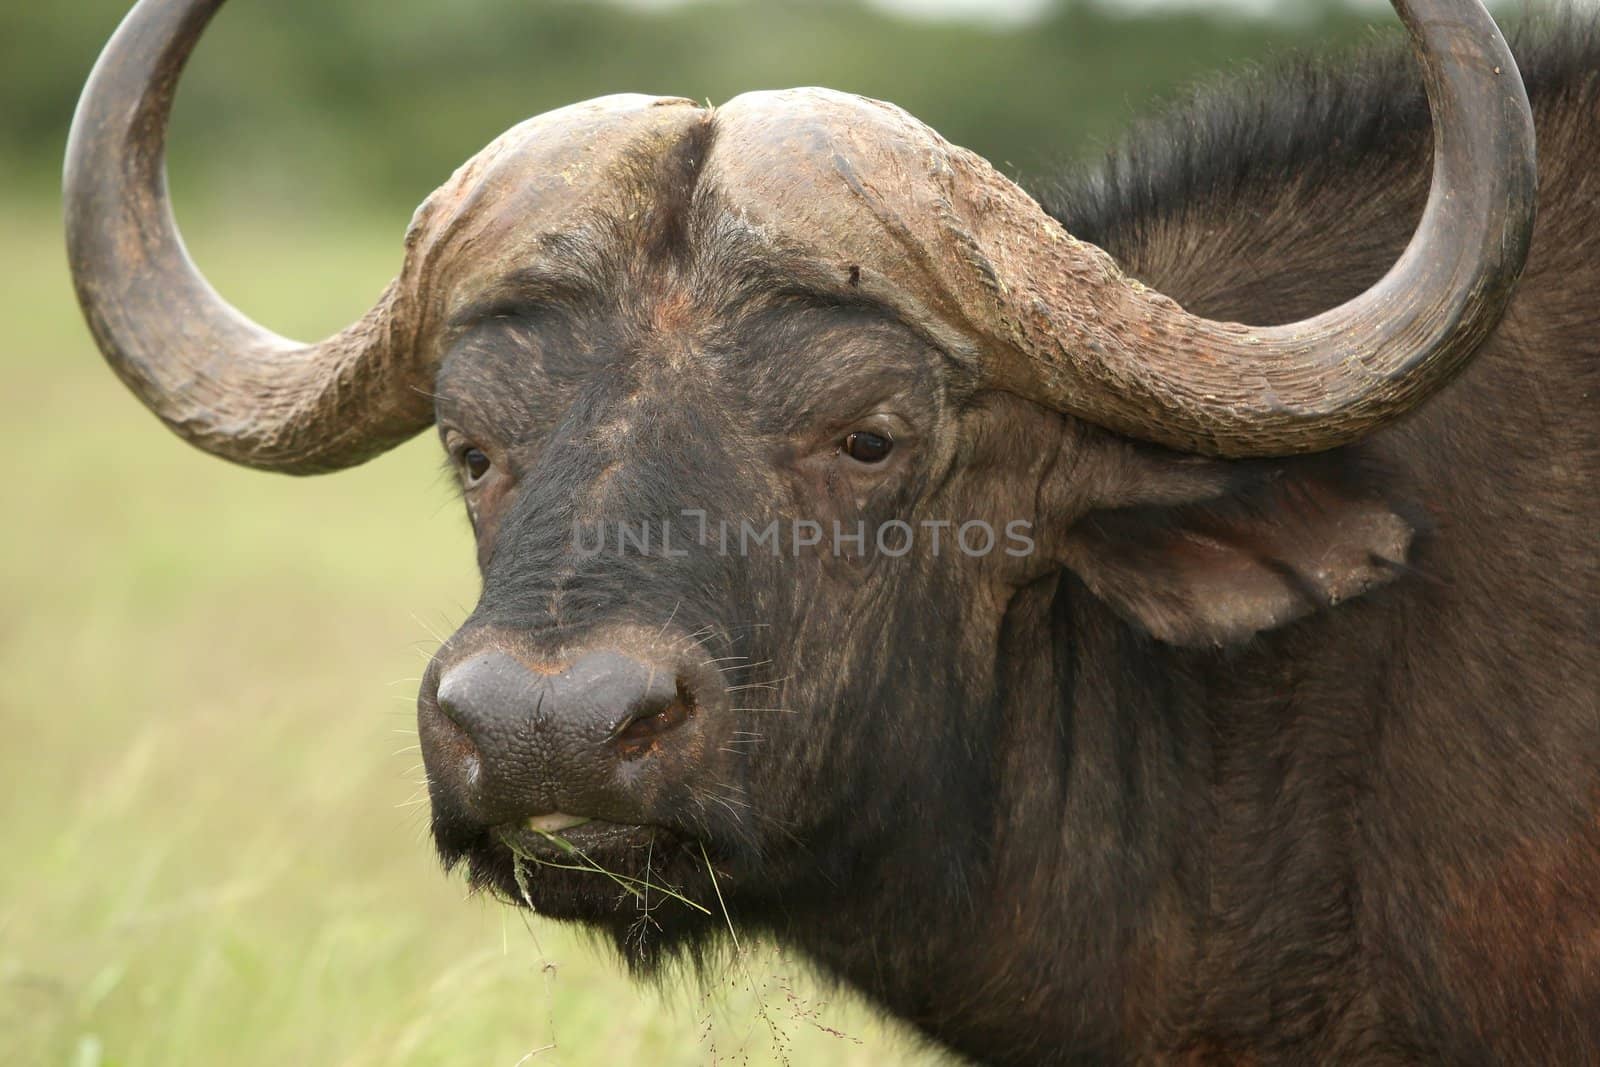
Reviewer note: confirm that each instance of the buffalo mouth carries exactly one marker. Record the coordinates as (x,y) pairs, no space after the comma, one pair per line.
(546,838)
(627,877)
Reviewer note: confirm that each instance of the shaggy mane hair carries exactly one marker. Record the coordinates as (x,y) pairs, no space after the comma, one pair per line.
(1231,147)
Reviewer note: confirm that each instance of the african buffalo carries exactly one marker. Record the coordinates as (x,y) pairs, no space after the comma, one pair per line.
(1264,728)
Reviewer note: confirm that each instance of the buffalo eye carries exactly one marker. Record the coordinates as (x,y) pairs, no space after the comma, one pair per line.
(864,446)
(475,464)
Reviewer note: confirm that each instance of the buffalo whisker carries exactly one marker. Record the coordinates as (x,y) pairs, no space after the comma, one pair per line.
(670,617)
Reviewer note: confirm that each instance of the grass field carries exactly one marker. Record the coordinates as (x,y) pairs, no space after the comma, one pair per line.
(211,846)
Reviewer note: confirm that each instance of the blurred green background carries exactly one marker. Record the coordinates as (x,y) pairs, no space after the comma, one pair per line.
(212,839)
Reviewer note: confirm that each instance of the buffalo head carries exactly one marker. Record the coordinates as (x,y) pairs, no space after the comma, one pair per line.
(763,415)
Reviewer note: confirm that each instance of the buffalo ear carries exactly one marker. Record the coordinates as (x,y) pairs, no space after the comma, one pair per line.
(1271,546)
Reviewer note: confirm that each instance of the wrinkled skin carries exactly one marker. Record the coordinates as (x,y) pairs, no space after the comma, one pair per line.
(1278,761)
(708,392)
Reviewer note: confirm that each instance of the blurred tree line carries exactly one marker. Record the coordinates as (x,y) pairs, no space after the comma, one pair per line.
(374,102)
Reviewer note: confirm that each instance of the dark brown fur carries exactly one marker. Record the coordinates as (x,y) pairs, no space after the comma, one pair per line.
(1288,761)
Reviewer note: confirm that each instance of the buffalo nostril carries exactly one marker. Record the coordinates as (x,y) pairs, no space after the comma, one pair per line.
(656,713)
(518,726)
(487,696)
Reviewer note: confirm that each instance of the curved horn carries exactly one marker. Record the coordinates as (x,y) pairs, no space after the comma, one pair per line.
(216,378)
(1104,347)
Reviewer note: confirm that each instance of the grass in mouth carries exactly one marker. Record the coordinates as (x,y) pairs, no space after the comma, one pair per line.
(717,886)
(637,886)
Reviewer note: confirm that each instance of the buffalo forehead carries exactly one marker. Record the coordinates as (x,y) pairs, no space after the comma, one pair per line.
(823,163)
(545,177)
(858,183)
(835,184)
